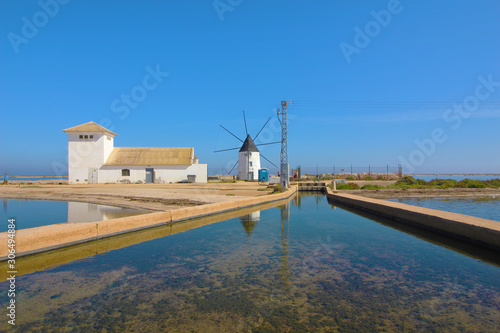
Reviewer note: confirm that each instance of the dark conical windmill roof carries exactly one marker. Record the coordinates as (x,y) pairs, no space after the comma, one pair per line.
(248,145)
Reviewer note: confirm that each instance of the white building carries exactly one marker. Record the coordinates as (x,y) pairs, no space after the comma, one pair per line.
(92,158)
(248,160)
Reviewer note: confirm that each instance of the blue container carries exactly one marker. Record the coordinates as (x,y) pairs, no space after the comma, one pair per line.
(263,175)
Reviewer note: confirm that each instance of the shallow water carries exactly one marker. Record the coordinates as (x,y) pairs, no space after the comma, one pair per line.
(36,213)
(305,266)
(484,207)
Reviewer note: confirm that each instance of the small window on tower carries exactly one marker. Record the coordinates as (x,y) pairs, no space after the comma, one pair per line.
(250,163)
(81,137)
(125,172)
(86,137)
(91,137)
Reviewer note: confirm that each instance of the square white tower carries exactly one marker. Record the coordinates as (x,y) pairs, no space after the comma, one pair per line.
(89,146)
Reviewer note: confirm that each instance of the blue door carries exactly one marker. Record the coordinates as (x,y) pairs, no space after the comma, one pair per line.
(150,175)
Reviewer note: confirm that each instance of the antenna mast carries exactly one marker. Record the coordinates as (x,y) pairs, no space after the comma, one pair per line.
(284,178)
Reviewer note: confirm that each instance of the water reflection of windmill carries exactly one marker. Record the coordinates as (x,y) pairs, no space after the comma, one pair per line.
(249,221)
(249,155)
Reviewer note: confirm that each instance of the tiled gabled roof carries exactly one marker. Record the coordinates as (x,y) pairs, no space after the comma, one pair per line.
(130,156)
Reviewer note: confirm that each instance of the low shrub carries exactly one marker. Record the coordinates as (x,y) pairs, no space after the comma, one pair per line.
(443,183)
(469,183)
(278,188)
(410,182)
(348,186)
(372,187)
(493,183)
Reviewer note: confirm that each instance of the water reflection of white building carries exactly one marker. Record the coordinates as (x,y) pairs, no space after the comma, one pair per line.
(88,212)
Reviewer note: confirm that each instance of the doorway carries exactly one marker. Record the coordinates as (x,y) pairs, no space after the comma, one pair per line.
(150,175)
(93,176)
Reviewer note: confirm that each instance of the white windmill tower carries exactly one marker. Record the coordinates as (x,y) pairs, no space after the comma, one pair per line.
(248,160)
(249,155)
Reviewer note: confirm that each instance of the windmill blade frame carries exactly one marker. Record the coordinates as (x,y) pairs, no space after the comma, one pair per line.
(245,121)
(218,151)
(230,132)
(233,168)
(268,160)
(262,129)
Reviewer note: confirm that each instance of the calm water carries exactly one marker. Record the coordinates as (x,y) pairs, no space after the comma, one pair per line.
(36,213)
(302,267)
(487,207)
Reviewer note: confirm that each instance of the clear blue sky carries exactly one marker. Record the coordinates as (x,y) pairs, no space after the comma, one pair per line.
(358,98)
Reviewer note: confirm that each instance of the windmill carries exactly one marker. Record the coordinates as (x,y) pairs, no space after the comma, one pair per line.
(249,155)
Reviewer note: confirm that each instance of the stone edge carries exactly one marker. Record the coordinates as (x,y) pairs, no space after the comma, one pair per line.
(472,229)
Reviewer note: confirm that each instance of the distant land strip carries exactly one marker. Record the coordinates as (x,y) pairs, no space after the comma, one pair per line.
(16,177)
(455,174)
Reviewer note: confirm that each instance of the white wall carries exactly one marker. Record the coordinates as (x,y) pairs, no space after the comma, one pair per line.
(201,172)
(243,165)
(85,154)
(163,173)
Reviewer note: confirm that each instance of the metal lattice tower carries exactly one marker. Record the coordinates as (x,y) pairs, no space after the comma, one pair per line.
(284,178)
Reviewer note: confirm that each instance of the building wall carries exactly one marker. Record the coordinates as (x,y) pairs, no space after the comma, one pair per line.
(244,166)
(86,154)
(163,173)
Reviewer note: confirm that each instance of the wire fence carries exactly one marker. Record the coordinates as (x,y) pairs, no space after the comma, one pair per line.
(334,171)
(350,171)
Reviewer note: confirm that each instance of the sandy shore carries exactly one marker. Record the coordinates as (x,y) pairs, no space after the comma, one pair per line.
(157,197)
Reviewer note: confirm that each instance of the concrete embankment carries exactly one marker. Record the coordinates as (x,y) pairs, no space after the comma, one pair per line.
(468,228)
(46,238)
(56,257)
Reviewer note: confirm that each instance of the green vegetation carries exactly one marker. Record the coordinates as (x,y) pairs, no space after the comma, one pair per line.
(410,182)
(349,186)
(278,188)
(372,187)
(350,178)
